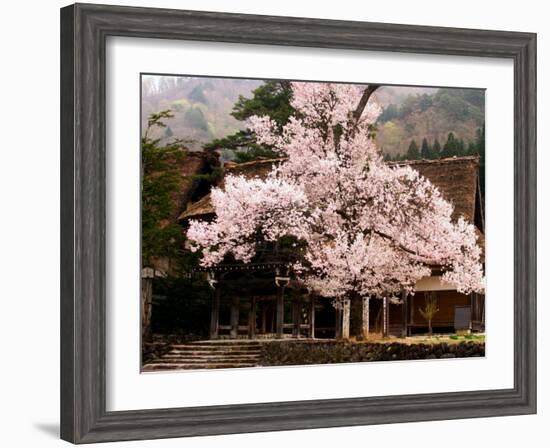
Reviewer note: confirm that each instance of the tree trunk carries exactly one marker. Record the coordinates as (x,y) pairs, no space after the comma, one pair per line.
(430,332)
(345,318)
(359,316)
(338,323)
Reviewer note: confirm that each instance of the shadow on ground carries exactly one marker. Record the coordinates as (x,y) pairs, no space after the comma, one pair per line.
(50,429)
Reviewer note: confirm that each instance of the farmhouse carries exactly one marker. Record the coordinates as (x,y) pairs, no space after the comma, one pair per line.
(261,300)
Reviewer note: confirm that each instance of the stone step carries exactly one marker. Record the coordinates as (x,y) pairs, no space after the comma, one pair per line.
(226,341)
(216,347)
(219,347)
(168,366)
(215,352)
(211,359)
(206,361)
(206,356)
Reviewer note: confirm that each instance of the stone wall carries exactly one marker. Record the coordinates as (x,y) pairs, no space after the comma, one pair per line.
(276,353)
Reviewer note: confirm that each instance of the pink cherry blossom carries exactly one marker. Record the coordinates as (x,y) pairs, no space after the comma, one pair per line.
(365,228)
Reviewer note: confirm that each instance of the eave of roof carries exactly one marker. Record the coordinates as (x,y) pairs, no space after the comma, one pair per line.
(198,210)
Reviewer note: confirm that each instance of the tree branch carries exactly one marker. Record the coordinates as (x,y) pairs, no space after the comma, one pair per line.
(367,93)
(356,114)
(417,256)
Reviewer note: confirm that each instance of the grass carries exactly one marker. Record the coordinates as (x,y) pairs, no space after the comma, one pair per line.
(435,339)
(454,338)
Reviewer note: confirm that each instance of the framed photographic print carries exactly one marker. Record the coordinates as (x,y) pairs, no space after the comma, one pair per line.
(275,223)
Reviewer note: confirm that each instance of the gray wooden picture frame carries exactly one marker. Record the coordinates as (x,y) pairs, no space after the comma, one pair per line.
(84,29)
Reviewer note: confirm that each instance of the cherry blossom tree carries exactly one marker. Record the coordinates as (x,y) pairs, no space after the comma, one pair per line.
(364,228)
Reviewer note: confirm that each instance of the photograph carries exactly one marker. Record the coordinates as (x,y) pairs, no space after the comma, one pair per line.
(264,224)
(302,222)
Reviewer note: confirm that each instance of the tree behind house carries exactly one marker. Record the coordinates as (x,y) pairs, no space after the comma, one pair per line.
(413,152)
(161,235)
(271,99)
(425,149)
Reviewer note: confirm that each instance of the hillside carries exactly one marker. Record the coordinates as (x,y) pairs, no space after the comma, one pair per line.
(430,116)
(201,106)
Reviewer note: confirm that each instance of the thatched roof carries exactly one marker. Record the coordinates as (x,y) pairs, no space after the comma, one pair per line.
(198,210)
(256,168)
(203,209)
(191,165)
(455,177)
(194,163)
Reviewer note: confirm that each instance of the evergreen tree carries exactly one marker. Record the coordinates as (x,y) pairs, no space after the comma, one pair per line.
(436,149)
(271,99)
(480,140)
(389,113)
(425,150)
(461,148)
(413,153)
(195,118)
(161,236)
(254,152)
(450,148)
(197,95)
(425,102)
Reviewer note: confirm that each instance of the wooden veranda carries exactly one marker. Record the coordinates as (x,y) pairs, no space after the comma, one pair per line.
(259,300)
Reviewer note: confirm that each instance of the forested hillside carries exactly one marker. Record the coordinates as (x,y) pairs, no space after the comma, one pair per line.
(431,117)
(207,110)
(201,106)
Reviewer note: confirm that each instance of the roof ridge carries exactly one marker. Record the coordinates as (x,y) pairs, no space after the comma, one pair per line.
(475,157)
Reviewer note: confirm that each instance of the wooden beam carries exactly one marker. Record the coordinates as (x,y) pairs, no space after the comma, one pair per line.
(234,320)
(263,306)
(280,311)
(385,309)
(404,313)
(471,311)
(312,316)
(296,316)
(366,317)
(252,319)
(215,314)
(411,308)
